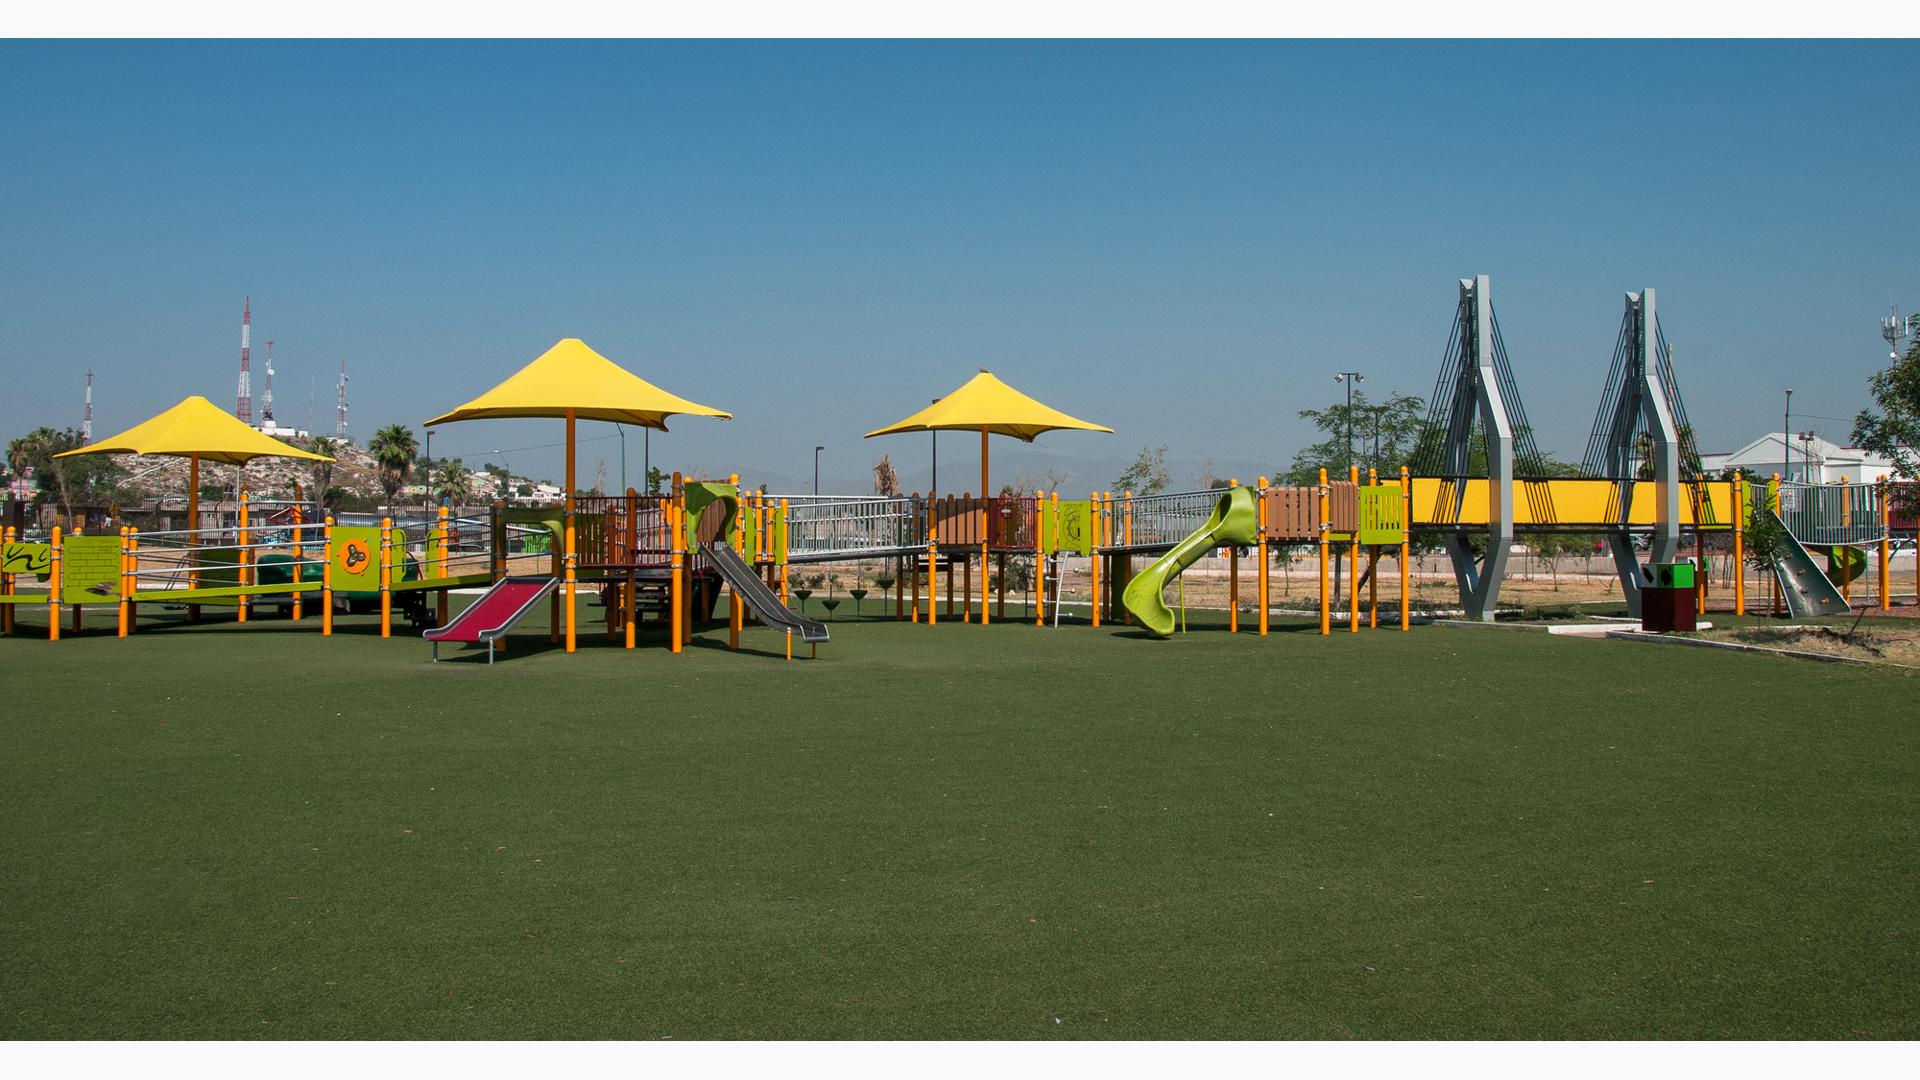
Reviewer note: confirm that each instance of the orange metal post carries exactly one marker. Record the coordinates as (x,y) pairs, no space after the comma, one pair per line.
(1886,548)
(1739,544)
(1353,565)
(444,535)
(126,586)
(1406,545)
(53,586)
(1260,551)
(933,570)
(1233,580)
(326,578)
(1093,567)
(1326,609)
(386,577)
(6,588)
(572,556)
(133,574)
(300,555)
(678,561)
(243,558)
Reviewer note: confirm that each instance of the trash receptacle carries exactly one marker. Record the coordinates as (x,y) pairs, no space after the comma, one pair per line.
(1668,601)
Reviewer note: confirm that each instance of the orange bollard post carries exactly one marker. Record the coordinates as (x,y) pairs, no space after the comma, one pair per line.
(1326,608)
(126,589)
(571,556)
(326,577)
(1093,561)
(1261,551)
(53,585)
(386,577)
(242,558)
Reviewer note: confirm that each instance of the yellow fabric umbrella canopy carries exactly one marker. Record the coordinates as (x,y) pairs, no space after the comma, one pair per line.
(571,379)
(196,428)
(991,407)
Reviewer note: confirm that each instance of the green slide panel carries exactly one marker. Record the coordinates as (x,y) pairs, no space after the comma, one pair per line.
(1235,520)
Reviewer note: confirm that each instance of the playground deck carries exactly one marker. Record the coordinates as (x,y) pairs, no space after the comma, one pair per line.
(954,831)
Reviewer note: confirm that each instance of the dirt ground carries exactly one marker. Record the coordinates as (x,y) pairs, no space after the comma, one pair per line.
(1880,644)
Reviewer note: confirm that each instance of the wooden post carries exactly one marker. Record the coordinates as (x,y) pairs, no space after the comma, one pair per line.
(1326,610)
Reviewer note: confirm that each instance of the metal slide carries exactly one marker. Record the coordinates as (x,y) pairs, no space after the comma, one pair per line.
(491,616)
(762,601)
(1806,587)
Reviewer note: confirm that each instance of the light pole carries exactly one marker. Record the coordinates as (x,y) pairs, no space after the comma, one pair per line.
(429,506)
(646,458)
(622,429)
(506,477)
(816,469)
(1349,377)
(1786,438)
(936,457)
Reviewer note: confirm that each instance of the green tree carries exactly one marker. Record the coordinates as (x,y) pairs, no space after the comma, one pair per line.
(323,470)
(93,479)
(1385,436)
(454,482)
(1148,473)
(394,449)
(1894,429)
(656,481)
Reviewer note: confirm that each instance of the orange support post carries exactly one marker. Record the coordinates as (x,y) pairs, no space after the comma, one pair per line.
(1886,547)
(326,578)
(243,557)
(133,570)
(1326,603)
(386,577)
(1233,580)
(1739,544)
(53,585)
(1260,551)
(6,588)
(1406,547)
(300,555)
(445,538)
(1353,567)
(126,582)
(933,570)
(1093,567)
(571,557)
(678,586)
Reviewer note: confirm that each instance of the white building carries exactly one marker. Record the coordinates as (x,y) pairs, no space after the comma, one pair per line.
(1802,456)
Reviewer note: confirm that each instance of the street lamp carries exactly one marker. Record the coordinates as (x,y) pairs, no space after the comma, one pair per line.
(622,429)
(429,485)
(1350,378)
(816,469)
(1786,439)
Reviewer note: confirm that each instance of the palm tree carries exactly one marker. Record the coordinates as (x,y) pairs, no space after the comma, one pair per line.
(323,470)
(393,448)
(455,482)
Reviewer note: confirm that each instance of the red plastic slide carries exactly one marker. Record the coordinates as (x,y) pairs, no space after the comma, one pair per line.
(491,616)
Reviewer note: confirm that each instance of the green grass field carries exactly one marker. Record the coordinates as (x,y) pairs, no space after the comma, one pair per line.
(954,832)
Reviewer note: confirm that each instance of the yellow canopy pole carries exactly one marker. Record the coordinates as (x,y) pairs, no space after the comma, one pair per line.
(983,461)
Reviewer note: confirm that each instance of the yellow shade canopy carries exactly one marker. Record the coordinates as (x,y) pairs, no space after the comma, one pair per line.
(572,379)
(987,404)
(196,428)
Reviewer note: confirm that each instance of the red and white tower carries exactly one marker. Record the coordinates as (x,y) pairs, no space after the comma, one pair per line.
(86,416)
(245,409)
(340,416)
(266,400)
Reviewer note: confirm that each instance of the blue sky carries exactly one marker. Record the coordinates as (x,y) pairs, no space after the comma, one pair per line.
(1181,240)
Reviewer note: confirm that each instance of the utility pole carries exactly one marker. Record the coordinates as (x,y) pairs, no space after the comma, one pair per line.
(816,469)
(1350,378)
(86,416)
(1786,438)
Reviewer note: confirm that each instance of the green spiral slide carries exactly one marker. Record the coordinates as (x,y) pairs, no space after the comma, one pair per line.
(1235,520)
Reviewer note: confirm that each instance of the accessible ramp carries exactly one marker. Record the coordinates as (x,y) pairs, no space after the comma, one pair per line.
(1235,520)
(762,601)
(490,617)
(1807,588)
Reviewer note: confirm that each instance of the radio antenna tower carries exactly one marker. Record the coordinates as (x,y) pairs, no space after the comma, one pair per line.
(340,417)
(245,409)
(266,400)
(86,415)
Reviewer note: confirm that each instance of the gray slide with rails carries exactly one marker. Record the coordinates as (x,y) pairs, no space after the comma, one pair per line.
(1808,591)
(762,601)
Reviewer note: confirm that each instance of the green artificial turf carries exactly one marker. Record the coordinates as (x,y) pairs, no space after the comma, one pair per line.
(953,832)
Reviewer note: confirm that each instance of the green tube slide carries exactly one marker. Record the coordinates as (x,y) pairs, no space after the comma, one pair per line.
(1235,520)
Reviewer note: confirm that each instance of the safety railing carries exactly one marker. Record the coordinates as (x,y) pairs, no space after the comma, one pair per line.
(1833,513)
(1156,520)
(822,527)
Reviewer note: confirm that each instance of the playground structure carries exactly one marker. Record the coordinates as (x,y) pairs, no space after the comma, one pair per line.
(1475,484)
